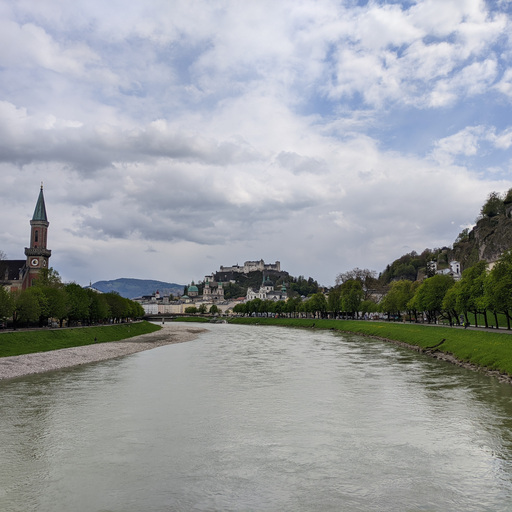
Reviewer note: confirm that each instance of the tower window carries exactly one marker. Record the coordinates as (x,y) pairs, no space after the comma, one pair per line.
(36,236)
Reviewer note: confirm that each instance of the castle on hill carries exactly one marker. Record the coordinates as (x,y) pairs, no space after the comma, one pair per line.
(253,266)
(211,290)
(22,274)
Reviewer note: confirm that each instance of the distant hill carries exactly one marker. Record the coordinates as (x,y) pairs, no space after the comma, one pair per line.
(131,288)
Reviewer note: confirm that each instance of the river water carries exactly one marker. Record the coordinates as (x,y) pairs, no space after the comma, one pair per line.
(258,418)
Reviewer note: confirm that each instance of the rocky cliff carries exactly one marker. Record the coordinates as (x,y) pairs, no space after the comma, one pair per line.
(486,241)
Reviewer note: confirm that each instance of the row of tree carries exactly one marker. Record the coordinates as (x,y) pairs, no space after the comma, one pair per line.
(346,300)
(49,298)
(478,293)
(202,309)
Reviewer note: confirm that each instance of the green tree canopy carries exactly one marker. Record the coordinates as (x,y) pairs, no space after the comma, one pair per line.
(99,309)
(493,206)
(351,296)
(430,294)
(397,299)
(498,286)
(26,307)
(317,303)
(77,302)
(6,303)
(471,290)
(334,300)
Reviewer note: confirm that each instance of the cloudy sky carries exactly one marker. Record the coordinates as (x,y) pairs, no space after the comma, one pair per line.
(175,136)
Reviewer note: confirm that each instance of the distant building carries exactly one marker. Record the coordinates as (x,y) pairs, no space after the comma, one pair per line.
(193,291)
(253,266)
(22,274)
(157,304)
(453,270)
(212,290)
(267,292)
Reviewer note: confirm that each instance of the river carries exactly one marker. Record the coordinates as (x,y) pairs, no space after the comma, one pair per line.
(258,418)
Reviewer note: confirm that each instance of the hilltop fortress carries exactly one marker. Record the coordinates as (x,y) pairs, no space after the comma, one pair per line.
(238,273)
(253,266)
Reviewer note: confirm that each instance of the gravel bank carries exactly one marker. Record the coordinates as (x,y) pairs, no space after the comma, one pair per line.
(17,366)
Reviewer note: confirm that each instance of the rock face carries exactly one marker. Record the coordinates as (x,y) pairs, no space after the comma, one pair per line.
(486,241)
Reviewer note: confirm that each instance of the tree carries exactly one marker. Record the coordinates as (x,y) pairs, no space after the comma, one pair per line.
(368,279)
(279,307)
(317,304)
(48,278)
(6,304)
(302,286)
(233,290)
(430,294)
(253,306)
(508,197)
(26,308)
(44,307)
(450,304)
(191,310)
(334,301)
(351,296)
(99,309)
(463,236)
(2,265)
(77,302)
(493,206)
(398,297)
(214,309)
(293,305)
(368,306)
(202,309)
(498,287)
(122,308)
(50,285)
(471,290)
(240,309)
(267,306)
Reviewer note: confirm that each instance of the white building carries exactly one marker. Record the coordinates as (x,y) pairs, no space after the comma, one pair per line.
(266,292)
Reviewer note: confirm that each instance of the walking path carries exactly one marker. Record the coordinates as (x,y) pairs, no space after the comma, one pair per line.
(18,366)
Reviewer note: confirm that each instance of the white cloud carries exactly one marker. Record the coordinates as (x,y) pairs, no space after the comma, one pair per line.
(30,45)
(505,84)
(465,142)
(504,139)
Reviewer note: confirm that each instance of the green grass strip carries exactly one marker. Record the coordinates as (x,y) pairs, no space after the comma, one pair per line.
(491,350)
(43,340)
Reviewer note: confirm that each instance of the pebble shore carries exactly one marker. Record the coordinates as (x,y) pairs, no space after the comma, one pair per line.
(18,366)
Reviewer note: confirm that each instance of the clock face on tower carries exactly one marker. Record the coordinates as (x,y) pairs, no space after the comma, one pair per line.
(34,262)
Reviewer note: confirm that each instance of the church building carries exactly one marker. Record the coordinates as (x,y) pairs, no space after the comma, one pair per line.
(21,274)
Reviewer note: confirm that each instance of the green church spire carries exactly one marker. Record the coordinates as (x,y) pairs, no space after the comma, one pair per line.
(40,211)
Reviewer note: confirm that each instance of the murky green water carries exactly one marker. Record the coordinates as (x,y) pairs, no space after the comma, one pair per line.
(258,418)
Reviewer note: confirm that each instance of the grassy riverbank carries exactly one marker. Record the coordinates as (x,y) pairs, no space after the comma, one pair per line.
(491,350)
(44,340)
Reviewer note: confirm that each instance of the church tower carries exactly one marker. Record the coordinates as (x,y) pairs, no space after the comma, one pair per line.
(37,254)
